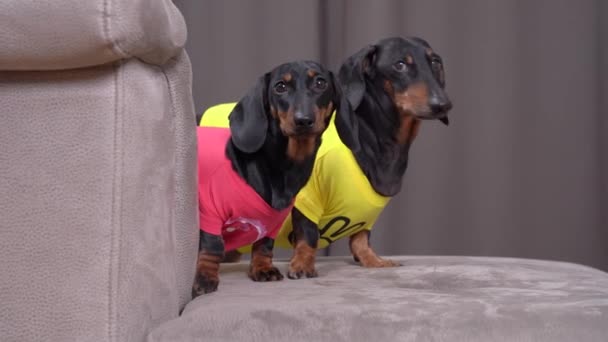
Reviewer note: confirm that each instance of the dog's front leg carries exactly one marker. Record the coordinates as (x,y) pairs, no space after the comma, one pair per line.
(211,252)
(261,268)
(361,250)
(306,238)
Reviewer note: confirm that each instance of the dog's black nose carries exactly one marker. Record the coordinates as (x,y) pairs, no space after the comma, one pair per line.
(439,106)
(302,121)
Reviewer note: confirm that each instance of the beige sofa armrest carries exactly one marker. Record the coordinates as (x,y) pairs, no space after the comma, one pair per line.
(98,209)
(50,35)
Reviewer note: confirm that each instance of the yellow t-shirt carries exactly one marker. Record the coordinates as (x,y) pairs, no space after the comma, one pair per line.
(337,197)
(217,116)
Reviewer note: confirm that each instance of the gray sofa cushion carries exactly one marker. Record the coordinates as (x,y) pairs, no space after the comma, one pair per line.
(427,299)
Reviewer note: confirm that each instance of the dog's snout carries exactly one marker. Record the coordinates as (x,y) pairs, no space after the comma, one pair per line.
(303,121)
(439,105)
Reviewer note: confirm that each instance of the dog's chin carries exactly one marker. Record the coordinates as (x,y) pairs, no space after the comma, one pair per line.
(299,134)
(443,117)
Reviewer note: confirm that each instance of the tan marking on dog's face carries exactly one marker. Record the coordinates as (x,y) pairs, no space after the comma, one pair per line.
(287,77)
(388,88)
(322,116)
(409,60)
(429,52)
(286,121)
(413,101)
(408,130)
(328,110)
(311,73)
(301,147)
(273,112)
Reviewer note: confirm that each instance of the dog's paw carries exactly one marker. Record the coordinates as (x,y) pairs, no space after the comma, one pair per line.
(265,273)
(389,263)
(204,284)
(379,262)
(299,270)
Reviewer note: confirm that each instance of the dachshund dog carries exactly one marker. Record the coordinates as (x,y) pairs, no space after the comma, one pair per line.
(250,172)
(391,87)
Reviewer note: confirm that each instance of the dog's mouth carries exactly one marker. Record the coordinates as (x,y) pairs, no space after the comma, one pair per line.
(431,116)
(425,114)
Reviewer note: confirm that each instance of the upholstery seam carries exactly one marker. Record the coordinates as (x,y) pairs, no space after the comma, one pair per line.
(116,221)
(175,150)
(114,46)
(113,215)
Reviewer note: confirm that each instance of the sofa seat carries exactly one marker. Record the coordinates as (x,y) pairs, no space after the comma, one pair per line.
(427,299)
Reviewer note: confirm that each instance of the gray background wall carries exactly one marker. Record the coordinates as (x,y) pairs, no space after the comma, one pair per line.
(522,170)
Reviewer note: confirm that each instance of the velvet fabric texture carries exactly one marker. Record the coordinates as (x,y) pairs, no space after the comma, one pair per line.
(51,35)
(427,299)
(98,235)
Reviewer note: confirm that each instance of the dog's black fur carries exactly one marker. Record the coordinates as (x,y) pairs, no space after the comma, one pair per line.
(382,159)
(275,134)
(391,86)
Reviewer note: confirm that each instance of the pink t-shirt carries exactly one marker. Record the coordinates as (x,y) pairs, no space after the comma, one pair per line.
(228,206)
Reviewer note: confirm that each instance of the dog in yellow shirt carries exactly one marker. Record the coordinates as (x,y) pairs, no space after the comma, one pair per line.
(391,86)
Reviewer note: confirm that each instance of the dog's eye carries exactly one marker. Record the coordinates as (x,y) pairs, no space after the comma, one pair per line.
(437,68)
(436,64)
(320,83)
(280,88)
(400,66)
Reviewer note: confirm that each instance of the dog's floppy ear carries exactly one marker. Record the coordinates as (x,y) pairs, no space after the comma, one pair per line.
(352,74)
(248,119)
(345,120)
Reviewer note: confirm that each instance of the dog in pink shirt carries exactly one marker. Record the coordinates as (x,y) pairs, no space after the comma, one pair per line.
(250,173)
